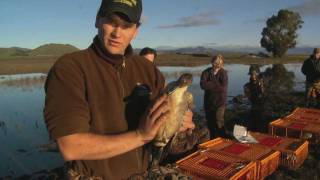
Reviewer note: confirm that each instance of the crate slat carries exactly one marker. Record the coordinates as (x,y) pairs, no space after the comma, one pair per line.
(267,159)
(293,151)
(214,165)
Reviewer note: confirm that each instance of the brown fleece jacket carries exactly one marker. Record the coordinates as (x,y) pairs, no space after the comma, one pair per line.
(93,91)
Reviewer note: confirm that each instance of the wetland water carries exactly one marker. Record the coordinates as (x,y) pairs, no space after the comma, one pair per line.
(23,132)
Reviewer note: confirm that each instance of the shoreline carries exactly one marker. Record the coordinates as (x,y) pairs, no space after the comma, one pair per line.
(24,65)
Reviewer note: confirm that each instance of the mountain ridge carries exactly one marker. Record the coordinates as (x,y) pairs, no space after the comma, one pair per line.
(52,49)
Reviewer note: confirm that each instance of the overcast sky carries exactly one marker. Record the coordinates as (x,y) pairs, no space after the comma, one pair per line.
(176,23)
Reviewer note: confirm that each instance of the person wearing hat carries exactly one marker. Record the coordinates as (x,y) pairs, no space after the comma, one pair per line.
(311,69)
(91,109)
(149,53)
(254,91)
(214,82)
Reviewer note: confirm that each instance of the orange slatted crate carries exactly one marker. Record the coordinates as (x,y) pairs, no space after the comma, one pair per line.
(305,114)
(293,151)
(214,165)
(266,158)
(296,129)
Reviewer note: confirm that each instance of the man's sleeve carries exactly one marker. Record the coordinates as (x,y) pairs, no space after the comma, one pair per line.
(246,90)
(66,110)
(205,84)
(304,67)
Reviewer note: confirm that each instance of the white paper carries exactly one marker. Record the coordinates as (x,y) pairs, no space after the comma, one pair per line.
(242,135)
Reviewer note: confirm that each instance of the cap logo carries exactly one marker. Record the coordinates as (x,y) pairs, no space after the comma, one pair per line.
(130,3)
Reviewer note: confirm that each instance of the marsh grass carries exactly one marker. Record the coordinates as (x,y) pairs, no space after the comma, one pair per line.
(42,64)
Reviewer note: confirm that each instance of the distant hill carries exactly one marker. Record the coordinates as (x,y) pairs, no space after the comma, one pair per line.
(44,50)
(56,50)
(14,51)
(301,50)
(198,50)
(228,50)
(53,50)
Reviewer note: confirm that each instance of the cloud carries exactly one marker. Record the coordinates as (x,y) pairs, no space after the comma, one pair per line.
(202,19)
(210,44)
(307,8)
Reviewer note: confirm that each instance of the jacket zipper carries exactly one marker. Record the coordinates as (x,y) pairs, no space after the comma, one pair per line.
(136,150)
(119,76)
(119,72)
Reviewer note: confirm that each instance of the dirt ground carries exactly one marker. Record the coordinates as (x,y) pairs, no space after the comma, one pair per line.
(26,65)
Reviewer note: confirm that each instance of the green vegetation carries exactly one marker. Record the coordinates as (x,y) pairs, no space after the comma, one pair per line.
(26,64)
(281,32)
(53,50)
(13,52)
(34,64)
(231,58)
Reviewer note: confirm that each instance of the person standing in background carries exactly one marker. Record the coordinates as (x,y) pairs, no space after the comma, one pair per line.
(254,91)
(214,82)
(148,53)
(311,69)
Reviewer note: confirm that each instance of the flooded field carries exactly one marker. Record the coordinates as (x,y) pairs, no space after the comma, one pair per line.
(25,146)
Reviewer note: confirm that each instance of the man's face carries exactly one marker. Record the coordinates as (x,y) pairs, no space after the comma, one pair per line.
(149,56)
(115,33)
(254,76)
(216,64)
(317,55)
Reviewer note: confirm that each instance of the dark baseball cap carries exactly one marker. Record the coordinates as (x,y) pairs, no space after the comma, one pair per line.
(130,8)
(254,69)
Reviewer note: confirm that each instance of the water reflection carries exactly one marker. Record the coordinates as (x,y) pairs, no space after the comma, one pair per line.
(281,93)
(3,127)
(272,96)
(26,83)
(21,105)
(22,98)
(278,79)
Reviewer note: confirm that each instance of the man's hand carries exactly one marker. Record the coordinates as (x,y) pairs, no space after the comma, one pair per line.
(216,70)
(187,123)
(216,67)
(153,119)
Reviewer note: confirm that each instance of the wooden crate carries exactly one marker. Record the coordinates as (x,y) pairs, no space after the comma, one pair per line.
(214,165)
(305,115)
(296,129)
(267,159)
(293,151)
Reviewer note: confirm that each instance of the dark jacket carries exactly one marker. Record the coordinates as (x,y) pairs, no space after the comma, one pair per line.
(91,91)
(215,88)
(311,69)
(254,90)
